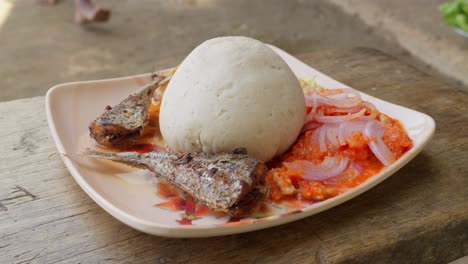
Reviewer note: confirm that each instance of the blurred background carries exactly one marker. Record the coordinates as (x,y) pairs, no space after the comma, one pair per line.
(41,45)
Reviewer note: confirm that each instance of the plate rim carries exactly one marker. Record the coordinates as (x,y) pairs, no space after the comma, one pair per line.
(217,230)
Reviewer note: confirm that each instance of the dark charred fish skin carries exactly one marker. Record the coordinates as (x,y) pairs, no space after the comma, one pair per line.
(225,182)
(120,125)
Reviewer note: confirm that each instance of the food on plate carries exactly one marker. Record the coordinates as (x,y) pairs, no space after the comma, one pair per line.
(226,182)
(120,125)
(229,93)
(302,142)
(345,141)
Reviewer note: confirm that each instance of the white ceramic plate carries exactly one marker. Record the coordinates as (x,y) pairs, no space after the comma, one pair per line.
(71,106)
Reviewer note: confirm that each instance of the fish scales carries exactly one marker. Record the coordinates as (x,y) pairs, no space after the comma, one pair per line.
(225,182)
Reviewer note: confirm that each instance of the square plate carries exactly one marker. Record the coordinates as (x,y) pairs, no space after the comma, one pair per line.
(72,106)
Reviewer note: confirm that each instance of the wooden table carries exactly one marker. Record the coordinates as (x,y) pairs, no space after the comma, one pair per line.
(419,215)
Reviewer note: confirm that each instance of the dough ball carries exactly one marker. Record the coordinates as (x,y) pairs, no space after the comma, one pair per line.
(229,93)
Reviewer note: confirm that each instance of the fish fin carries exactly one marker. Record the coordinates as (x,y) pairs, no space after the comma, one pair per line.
(132,159)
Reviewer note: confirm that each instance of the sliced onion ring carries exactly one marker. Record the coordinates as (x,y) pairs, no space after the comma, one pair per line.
(326,135)
(320,117)
(311,100)
(309,126)
(332,135)
(346,110)
(348,129)
(330,167)
(374,130)
(321,138)
(341,100)
(372,109)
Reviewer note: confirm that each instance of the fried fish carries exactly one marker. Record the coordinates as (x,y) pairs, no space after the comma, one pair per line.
(226,182)
(120,125)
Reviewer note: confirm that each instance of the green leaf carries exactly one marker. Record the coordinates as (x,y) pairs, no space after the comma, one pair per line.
(451,21)
(455,13)
(462,21)
(444,8)
(464,7)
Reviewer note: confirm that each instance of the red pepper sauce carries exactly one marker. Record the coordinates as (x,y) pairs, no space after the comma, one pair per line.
(179,201)
(286,184)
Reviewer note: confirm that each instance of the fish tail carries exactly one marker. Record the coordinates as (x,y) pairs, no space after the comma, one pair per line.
(132,159)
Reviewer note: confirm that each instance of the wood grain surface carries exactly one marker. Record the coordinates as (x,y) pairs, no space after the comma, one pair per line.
(419,215)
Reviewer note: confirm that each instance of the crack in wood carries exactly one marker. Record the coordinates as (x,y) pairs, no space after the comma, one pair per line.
(33,258)
(91,250)
(18,188)
(450,149)
(34,197)
(4,246)
(17,256)
(14,197)
(62,218)
(46,223)
(2,207)
(320,255)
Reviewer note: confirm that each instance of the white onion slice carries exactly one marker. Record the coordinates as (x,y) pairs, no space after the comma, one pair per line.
(340,100)
(311,100)
(321,139)
(348,129)
(374,130)
(316,139)
(309,126)
(320,117)
(341,134)
(326,135)
(346,110)
(332,135)
(330,167)
(369,105)
(372,108)
(352,171)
